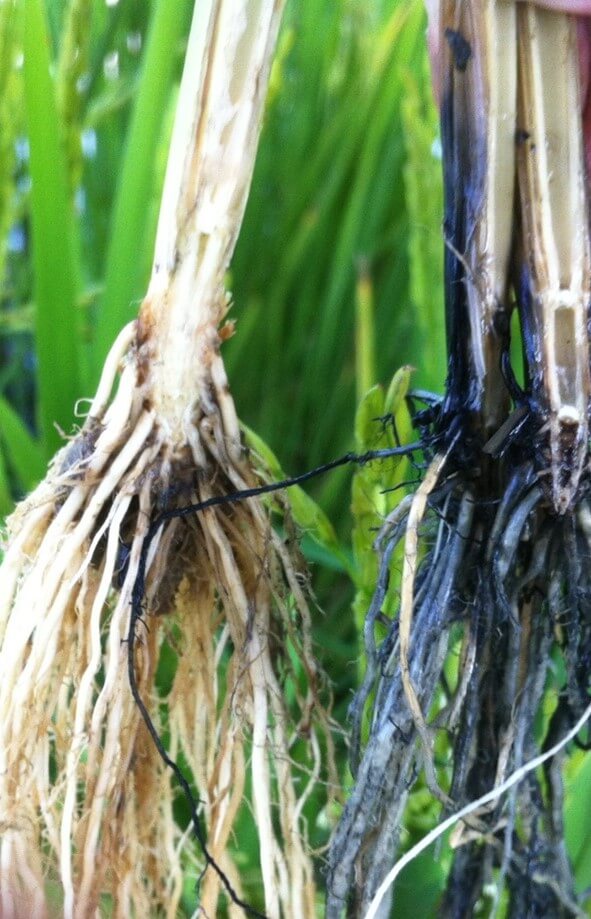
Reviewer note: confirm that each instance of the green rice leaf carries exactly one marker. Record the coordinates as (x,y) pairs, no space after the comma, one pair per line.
(24,453)
(367,422)
(53,230)
(398,390)
(6,502)
(308,515)
(423,188)
(375,485)
(365,345)
(576,817)
(133,224)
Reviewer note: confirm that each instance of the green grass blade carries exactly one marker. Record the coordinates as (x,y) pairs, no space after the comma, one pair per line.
(72,66)
(6,502)
(10,122)
(24,453)
(365,345)
(131,229)
(576,817)
(52,223)
(374,485)
(423,185)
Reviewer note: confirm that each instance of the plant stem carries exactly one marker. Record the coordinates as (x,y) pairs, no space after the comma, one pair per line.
(207,182)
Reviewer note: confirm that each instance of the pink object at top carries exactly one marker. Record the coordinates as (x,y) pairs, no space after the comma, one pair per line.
(580,8)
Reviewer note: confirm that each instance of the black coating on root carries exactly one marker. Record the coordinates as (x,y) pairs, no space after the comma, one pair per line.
(506,583)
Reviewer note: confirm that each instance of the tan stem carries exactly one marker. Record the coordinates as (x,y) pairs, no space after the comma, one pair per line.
(552,180)
(208,177)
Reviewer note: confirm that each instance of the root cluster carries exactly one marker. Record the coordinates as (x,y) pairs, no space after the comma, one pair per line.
(495,592)
(222,660)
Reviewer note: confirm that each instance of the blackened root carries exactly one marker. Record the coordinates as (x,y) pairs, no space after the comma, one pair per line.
(507,584)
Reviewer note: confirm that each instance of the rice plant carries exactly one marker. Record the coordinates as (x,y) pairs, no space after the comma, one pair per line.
(336,281)
(495,534)
(91,557)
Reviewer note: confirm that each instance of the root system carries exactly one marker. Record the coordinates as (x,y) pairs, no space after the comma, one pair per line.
(495,605)
(140,648)
(502,586)
(222,594)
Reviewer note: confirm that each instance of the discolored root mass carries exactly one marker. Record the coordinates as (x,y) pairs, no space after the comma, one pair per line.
(501,593)
(159,689)
(485,668)
(87,802)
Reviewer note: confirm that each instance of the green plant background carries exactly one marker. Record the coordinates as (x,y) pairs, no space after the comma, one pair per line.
(336,281)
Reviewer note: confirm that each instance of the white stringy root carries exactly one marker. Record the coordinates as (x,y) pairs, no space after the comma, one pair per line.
(86,805)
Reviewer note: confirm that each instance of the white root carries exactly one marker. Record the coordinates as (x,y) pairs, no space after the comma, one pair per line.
(86,802)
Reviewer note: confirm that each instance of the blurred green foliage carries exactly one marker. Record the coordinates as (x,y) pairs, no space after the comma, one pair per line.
(336,281)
